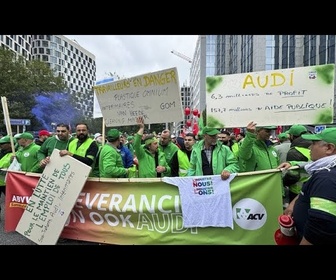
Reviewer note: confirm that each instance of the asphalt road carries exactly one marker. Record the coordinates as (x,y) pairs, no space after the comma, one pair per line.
(15,238)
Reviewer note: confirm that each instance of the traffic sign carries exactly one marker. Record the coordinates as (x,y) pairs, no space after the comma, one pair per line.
(19,121)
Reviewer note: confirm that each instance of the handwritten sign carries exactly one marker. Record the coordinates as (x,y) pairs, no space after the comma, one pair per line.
(156,96)
(53,199)
(303,95)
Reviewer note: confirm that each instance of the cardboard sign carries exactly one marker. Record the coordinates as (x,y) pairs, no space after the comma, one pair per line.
(156,96)
(303,95)
(53,199)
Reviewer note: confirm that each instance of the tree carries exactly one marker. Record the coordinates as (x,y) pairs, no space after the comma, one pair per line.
(22,80)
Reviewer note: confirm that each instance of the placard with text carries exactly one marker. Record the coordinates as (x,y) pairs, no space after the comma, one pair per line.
(53,198)
(156,96)
(303,95)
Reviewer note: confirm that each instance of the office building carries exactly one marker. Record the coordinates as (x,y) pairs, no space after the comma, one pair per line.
(73,63)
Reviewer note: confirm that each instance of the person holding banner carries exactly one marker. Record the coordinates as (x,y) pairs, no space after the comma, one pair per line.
(152,162)
(209,156)
(83,147)
(299,151)
(59,141)
(313,209)
(257,151)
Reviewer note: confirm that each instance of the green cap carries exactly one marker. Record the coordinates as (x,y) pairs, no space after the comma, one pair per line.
(24,135)
(113,134)
(271,127)
(297,130)
(5,139)
(283,136)
(210,131)
(328,135)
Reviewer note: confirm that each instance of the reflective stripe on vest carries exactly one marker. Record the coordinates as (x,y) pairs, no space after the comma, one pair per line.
(296,188)
(323,204)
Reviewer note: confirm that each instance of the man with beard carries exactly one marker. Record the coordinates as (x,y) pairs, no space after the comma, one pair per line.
(181,159)
(167,147)
(60,141)
(152,162)
(83,147)
(225,137)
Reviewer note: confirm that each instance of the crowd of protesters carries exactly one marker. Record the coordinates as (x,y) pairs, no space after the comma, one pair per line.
(211,152)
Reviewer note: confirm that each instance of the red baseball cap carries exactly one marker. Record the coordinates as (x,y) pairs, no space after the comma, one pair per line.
(44,132)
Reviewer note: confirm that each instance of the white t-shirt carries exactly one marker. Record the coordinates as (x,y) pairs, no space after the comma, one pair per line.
(205,200)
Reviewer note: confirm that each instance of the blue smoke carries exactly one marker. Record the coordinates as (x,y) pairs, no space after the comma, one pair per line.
(54,108)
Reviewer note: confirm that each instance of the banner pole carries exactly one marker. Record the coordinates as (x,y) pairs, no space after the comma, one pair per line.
(7,122)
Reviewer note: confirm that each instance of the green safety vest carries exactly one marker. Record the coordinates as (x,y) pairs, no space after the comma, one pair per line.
(81,150)
(304,176)
(4,163)
(184,163)
(235,148)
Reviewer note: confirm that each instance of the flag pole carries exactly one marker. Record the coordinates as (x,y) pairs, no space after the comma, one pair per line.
(103,131)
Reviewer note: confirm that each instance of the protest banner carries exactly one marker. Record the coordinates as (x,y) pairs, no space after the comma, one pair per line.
(303,95)
(52,200)
(156,96)
(148,211)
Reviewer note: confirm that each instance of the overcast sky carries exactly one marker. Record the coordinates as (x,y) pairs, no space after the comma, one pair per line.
(133,55)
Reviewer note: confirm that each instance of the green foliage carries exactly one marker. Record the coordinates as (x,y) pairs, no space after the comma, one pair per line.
(326,73)
(325,117)
(213,122)
(213,82)
(21,80)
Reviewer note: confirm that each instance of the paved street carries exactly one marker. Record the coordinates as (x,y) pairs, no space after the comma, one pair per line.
(15,238)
